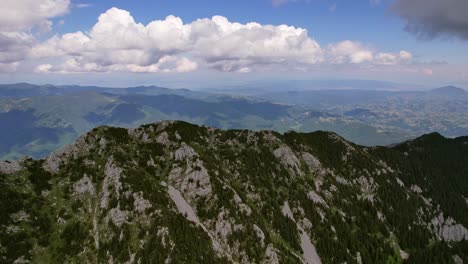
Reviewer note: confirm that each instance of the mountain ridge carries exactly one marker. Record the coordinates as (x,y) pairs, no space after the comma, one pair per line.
(181,193)
(85,110)
(26,89)
(364,117)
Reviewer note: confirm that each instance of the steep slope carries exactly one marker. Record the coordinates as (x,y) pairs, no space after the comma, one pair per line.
(173,192)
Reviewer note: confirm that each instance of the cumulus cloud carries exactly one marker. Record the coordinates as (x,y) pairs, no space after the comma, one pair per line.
(434,18)
(351,52)
(25,14)
(17,18)
(165,64)
(14,47)
(118,43)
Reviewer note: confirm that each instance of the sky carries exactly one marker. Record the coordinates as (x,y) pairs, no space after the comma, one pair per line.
(206,43)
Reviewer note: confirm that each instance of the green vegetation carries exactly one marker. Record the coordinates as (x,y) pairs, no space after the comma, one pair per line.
(109,199)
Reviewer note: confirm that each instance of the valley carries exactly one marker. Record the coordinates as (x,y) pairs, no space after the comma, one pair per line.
(54,116)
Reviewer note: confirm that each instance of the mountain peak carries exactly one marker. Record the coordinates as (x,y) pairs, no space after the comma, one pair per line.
(431,137)
(178,191)
(449,90)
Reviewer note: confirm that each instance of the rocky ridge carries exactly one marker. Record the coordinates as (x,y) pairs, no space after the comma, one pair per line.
(172,192)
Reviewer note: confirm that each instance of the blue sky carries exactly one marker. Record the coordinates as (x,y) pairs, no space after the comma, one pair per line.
(343,39)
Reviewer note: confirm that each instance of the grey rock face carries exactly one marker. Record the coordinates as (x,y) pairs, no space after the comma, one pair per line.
(288,158)
(140,203)
(185,152)
(9,167)
(193,181)
(271,256)
(311,161)
(117,216)
(457,259)
(448,229)
(84,185)
(313,196)
(163,138)
(111,179)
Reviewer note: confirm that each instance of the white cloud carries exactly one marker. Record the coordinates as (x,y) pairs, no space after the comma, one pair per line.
(350,52)
(25,14)
(393,58)
(232,46)
(118,43)
(43,68)
(117,39)
(14,47)
(17,18)
(166,64)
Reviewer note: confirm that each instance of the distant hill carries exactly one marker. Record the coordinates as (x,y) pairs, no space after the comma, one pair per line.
(450,90)
(38,125)
(444,110)
(27,90)
(52,116)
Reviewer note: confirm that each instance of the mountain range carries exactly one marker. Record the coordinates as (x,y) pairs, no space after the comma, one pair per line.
(38,119)
(173,192)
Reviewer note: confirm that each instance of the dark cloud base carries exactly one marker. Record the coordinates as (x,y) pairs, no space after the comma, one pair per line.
(434,18)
